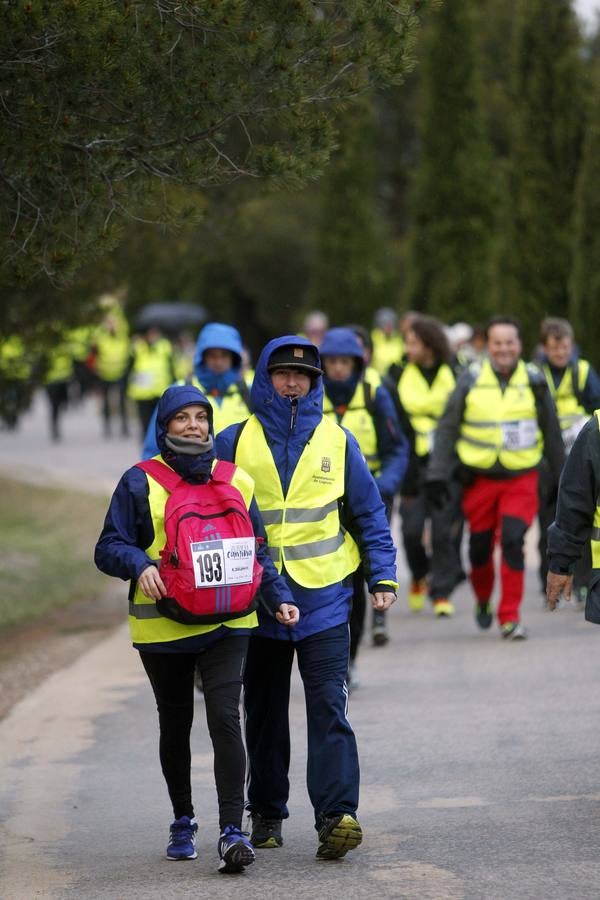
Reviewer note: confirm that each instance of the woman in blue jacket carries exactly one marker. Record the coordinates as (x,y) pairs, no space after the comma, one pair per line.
(323,513)
(130,541)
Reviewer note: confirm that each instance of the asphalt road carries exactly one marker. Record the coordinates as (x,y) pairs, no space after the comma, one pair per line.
(480,768)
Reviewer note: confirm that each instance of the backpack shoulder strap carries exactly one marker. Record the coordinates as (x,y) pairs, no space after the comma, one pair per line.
(369,398)
(575,382)
(224,471)
(236,440)
(165,476)
(244,392)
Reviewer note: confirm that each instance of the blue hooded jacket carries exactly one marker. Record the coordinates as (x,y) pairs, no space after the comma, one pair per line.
(392,445)
(214,335)
(288,426)
(128,527)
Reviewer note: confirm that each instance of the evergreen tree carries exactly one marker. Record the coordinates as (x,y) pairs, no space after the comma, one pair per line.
(103,104)
(449,241)
(352,273)
(585,280)
(536,258)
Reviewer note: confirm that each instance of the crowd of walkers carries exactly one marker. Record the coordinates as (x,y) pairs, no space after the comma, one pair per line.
(448,429)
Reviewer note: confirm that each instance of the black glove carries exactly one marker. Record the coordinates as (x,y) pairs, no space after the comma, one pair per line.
(437,493)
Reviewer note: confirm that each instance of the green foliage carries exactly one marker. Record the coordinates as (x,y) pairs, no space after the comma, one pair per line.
(544,156)
(449,262)
(353,272)
(585,281)
(104,103)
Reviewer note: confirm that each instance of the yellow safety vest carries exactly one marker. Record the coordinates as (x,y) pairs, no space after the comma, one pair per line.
(112,355)
(387,350)
(233,407)
(571,414)
(359,422)
(303,528)
(424,403)
(60,365)
(595,539)
(14,362)
(151,373)
(146,624)
(512,437)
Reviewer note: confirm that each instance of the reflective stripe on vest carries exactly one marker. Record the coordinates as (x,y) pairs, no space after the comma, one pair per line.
(424,403)
(146,624)
(303,529)
(151,373)
(513,437)
(359,422)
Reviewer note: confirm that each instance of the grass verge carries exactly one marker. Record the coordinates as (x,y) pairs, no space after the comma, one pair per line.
(47,537)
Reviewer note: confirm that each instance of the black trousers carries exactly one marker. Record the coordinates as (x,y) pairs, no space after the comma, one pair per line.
(171,675)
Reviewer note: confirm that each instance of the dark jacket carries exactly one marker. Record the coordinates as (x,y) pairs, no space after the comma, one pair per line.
(577,496)
(288,426)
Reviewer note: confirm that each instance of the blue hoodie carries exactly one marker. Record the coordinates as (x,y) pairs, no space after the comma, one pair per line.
(128,525)
(212,336)
(392,445)
(288,426)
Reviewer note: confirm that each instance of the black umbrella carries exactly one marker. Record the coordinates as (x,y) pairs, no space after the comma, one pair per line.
(170,317)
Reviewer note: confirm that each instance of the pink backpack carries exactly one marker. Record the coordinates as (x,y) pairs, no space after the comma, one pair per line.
(208,564)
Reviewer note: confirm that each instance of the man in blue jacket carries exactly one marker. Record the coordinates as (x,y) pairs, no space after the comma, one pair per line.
(323,515)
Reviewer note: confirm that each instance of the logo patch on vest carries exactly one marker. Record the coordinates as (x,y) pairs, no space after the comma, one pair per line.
(325,464)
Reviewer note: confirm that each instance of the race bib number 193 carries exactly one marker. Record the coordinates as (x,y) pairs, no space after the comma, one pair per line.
(223,562)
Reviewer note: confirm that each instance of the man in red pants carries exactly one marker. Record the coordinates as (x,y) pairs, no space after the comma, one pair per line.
(498,424)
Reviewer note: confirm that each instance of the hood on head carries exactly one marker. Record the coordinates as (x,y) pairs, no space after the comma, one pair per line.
(262,388)
(174,399)
(342,342)
(217,335)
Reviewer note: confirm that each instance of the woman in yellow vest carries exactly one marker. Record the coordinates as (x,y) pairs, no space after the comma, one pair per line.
(426,382)
(128,548)
(357,400)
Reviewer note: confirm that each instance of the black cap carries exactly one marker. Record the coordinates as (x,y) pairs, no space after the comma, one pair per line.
(294,356)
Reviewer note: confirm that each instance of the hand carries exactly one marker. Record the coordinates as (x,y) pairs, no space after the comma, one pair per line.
(151,584)
(382,600)
(557,584)
(437,493)
(288,614)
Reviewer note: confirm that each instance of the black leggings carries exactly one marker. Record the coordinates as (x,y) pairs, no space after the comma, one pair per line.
(171,675)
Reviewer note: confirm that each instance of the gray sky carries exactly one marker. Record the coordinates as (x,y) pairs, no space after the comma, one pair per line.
(586,8)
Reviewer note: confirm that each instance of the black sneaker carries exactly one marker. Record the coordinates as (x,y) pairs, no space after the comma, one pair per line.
(483,614)
(337,835)
(266,833)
